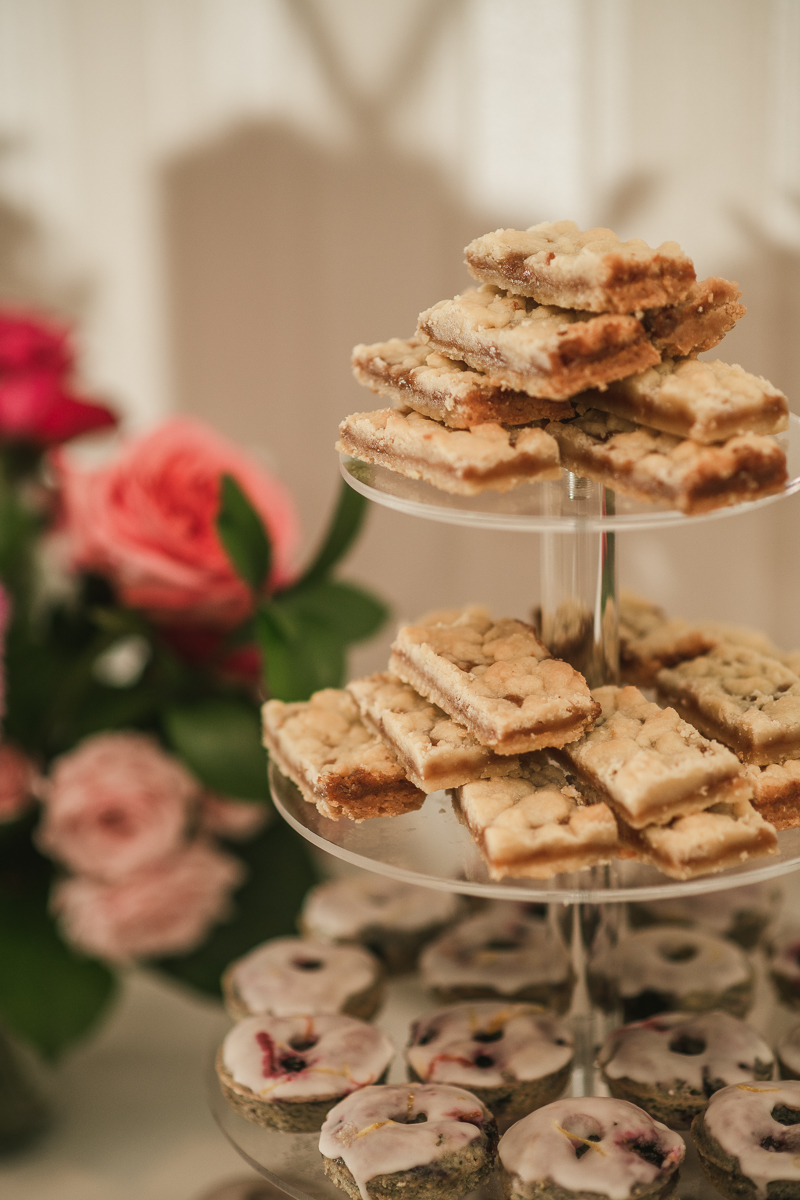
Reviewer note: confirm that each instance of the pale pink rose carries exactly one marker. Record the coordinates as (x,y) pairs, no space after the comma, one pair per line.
(166,908)
(17,778)
(114,804)
(234,819)
(147,521)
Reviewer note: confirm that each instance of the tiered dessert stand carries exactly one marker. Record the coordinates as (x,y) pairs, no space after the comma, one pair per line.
(576,521)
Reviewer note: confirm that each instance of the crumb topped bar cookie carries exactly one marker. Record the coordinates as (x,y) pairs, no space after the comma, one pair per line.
(650,765)
(558,263)
(699,322)
(336,762)
(704,401)
(495,677)
(539,349)
(465,462)
(535,823)
(655,466)
(745,699)
(435,751)
(776,792)
(650,640)
(724,835)
(444,389)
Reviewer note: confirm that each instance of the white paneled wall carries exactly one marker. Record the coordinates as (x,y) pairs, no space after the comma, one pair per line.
(228,193)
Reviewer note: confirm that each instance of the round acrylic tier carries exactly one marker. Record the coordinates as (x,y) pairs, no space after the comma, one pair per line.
(542,507)
(431,848)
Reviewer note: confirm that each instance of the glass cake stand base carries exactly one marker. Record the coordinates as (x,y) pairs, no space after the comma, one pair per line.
(430,848)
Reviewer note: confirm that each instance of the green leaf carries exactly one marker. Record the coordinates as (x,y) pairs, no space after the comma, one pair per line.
(300,655)
(220,740)
(351,508)
(280,872)
(243,535)
(350,611)
(48,994)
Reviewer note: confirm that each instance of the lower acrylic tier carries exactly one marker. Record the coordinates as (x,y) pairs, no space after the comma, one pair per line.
(292,1161)
(431,849)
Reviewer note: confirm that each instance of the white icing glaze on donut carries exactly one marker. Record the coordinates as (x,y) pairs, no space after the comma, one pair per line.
(374,1131)
(344,908)
(786,955)
(488,1044)
(303,1058)
(287,976)
(589,1145)
(641,1051)
(493,950)
(788,1049)
(717,911)
(740,1119)
(674,961)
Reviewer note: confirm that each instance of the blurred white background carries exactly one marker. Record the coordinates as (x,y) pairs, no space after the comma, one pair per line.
(227,194)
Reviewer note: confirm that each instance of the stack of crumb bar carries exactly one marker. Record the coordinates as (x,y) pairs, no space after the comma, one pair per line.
(733,685)
(547,775)
(577,351)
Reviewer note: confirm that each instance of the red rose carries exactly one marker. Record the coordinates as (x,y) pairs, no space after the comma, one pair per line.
(148,522)
(37,403)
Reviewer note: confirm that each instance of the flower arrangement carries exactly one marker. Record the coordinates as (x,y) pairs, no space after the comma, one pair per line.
(146,608)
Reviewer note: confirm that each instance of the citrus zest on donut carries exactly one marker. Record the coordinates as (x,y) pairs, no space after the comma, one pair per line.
(573,1137)
(374,1125)
(409,1104)
(745,1087)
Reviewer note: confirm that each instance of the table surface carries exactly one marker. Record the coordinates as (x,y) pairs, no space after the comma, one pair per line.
(132,1119)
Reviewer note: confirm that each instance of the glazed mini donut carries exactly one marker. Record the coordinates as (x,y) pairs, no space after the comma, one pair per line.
(295,976)
(513,1057)
(671,970)
(748,1140)
(494,956)
(784,967)
(393,920)
(287,1072)
(411,1141)
(589,1146)
(787,1053)
(669,1065)
(741,914)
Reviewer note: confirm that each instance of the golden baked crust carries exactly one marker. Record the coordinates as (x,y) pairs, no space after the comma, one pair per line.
(337,763)
(444,389)
(746,700)
(534,823)
(464,462)
(557,263)
(699,322)
(704,401)
(435,751)
(545,351)
(495,677)
(655,466)
(648,764)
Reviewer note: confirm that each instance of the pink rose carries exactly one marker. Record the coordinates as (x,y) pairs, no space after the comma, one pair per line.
(17,778)
(166,908)
(115,804)
(147,521)
(37,402)
(234,819)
